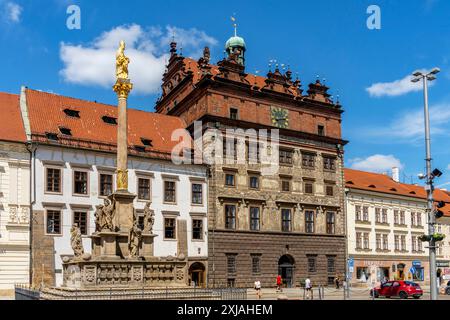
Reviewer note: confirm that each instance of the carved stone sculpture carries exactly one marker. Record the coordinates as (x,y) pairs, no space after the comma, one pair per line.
(149,218)
(134,240)
(109,211)
(76,241)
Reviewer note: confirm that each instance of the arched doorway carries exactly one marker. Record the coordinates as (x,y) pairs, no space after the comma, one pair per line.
(286,266)
(197,275)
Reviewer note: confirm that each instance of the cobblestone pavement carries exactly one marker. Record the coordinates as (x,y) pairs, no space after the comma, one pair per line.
(329,294)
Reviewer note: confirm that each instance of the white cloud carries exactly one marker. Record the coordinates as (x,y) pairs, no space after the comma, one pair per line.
(11,11)
(94,64)
(410,126)
(376,163)
(448,167)
(395,88)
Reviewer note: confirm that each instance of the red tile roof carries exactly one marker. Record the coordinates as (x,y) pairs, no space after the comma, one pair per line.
(11,124)
(46,112)
(361,180)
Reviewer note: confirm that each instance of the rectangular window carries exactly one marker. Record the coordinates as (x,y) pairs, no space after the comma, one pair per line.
(286,217)
(53,180)
(286,185)
(397,242)
(419,219)
(80,181)
(331,223)
(254,218)
(53,222)
(308,160)
(256,264)
(197,229)
(309,187)
(286,157)
(170,191)
(309,221)
(403,240)
(331,264)
(419,245)
(143,189)
(106,185)
(197,193)
(312,264)
(413,219)
(169,228)
(402,218)
(330,191)
(385,242)
(384,216)
(378,241)
(231,264)
(230,217)
(80,219)
(329,164)
(253,152)
(234,114)
(254,182)
(358,213)
(320,130)
(230,180)
(366,241)
(414,243)
(377,215)
(396,217)
(358,240)
(366,214)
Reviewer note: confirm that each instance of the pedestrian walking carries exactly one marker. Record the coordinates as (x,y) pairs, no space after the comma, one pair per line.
(337,282)
(258,289)
(308,288)
(279,282)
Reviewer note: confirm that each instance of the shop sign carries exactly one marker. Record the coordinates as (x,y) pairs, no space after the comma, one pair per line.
(443,264)
(417,263)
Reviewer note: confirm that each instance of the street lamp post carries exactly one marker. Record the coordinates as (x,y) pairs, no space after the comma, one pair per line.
(425,77)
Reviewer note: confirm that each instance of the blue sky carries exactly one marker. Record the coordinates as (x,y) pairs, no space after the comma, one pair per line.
(325,38)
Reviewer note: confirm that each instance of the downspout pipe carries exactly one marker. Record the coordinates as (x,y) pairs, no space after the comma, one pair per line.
(32,147)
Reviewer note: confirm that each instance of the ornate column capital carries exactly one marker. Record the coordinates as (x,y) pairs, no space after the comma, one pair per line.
(123,88)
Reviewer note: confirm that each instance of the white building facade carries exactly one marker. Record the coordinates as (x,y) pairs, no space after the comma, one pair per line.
(69,184)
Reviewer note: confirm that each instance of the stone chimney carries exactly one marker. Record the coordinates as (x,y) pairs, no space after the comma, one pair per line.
(396,174)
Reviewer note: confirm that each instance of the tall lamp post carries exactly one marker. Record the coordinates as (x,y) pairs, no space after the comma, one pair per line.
(425,77)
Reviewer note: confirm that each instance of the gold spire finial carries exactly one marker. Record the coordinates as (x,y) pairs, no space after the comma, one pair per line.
(233,18)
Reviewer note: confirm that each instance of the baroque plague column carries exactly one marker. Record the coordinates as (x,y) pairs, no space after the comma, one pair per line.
(122,253)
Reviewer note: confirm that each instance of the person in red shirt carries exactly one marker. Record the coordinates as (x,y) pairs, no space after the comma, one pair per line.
(279,283)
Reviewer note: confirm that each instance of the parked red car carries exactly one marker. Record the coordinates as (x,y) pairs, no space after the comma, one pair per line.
(402,289)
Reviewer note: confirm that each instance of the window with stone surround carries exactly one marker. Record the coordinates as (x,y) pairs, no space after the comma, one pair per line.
(419,245)
(197,229)
(53,180)
(286,220)
(378,241)
(358,213)
(234,114)
(385,242)
(365,214)
(286,184)
(170,228)
(403,242)
(144,191)
(358,240)
(331,222)
(54,222)
(384,216)
(396,217)
(414,243)
(366,241)
(377,215)
(309,187)
(230,179)
(230,216)
(413,219)
(256,264)
(170,192)
(402,218)
(330,190)
(308,160)
(397,242)
(80,182)
(254,218)
(106,185)
(254,182)
(331,264)
(309,221)
(329,164)
(286,157)
(253,152)
(419,219)
(197,193)
(80,219)
(312,264)
(231,264)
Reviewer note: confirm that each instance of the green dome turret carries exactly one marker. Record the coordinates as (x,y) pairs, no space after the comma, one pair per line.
(235,42)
